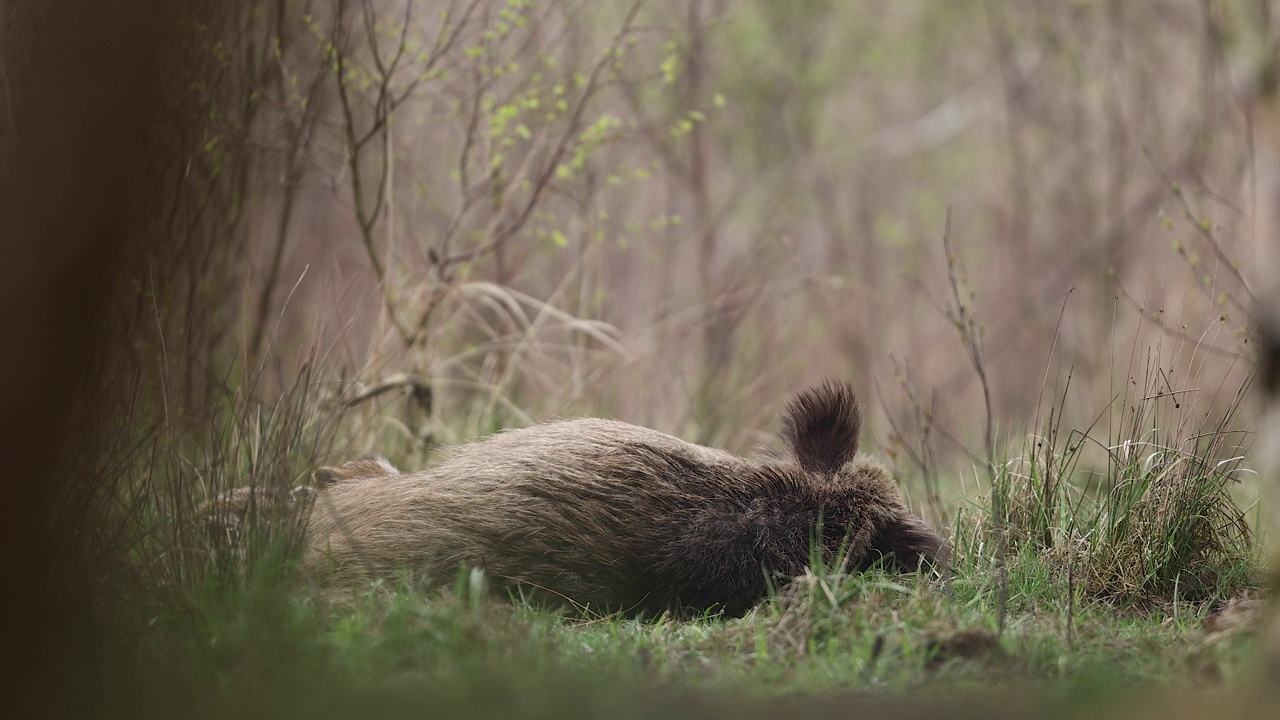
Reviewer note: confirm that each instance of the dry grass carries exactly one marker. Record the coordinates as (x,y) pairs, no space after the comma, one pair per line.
(1147,512)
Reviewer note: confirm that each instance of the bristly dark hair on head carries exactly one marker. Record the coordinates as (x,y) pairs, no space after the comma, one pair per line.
(907,541)
(822,425)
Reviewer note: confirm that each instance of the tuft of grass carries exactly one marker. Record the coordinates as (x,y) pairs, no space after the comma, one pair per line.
(183,558)
(1152,520)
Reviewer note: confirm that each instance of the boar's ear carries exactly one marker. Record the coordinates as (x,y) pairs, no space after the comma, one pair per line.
(821,426)
(907,542)
(326,476)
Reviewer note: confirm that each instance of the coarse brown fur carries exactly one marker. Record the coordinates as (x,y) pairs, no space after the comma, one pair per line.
(227,514)
(612,516)
(363,468)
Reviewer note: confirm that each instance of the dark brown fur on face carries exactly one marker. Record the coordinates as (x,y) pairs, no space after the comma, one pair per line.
(612,516)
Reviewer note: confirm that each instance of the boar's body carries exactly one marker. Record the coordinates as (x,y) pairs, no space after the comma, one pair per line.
(612,516)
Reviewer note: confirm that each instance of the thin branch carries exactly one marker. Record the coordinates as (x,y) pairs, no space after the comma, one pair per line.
(504,233)
(410,384)
(340,38)
(1173,332)
(1202,228)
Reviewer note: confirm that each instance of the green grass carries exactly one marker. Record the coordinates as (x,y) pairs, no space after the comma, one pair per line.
(1073,618)
(874,635)
(1109,565)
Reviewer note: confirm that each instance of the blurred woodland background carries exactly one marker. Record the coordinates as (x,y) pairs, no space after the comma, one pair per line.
(680,213)
(677,213)
(297,231)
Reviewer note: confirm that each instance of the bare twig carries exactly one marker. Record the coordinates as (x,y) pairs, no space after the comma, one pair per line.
(964,319)
(1156,319)
(301,114)
(411,385)
(1206,232)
